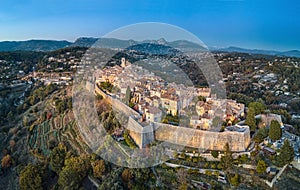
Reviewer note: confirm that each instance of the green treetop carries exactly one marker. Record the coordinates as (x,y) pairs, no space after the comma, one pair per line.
(275,132)
(286,154)
(258,107)
(261,167)
(250,119)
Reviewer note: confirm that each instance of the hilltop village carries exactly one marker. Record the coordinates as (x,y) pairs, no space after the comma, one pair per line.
(157,102)
(152,102)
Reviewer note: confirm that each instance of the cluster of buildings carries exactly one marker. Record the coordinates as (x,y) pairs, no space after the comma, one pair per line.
(65,59)
(62,78)
(153,98)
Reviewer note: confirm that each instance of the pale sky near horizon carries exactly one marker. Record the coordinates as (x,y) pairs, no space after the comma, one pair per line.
(273,25)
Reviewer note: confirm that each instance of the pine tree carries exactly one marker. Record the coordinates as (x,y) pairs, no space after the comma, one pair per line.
(127,95)
(227,159)
(250,120)
(286,154)
(275,132)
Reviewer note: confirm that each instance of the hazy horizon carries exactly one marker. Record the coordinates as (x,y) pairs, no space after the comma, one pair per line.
(210,47)
(267,25)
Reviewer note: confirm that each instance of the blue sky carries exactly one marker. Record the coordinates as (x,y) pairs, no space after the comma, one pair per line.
(258,24)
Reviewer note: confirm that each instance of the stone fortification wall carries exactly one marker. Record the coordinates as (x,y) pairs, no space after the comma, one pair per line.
(116,104)
(142,135)
(238,141)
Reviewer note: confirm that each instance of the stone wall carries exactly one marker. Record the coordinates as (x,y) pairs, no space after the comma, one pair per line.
(238,141)
(142,135)
(116,104)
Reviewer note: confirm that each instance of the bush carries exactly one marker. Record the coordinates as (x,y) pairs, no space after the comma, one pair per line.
(206,165)
(261,167)
(215,153)
(195,160)
(216,173)
(235,180)
(243,159)
(220,166)
(208,172)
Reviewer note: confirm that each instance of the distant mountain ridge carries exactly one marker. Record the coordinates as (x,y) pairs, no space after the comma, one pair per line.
(50,45)
(123,44)
(33,45)
(292,53)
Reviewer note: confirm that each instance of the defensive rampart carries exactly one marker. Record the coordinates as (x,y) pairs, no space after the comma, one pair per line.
(238,140)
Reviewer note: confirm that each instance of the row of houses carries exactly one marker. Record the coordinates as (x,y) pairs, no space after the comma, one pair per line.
(153,97)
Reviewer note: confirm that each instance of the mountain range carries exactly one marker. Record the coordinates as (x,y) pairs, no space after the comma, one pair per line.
(50,45)
(292,53)
(33,45)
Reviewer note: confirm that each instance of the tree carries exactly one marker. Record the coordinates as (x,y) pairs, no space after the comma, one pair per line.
(261,134)
(75,169)
(250,119)
(127,95)
(261,167)
(68,178)
(275,132)
(243,158)
(57,158)
(286,154)
(99,168)
(126,175)
(139,178)
(227,159)
(31,178)
(6,161)
(215,153)
(235,180)
(258,107)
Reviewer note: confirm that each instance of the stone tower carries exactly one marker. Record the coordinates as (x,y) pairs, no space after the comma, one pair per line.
(123,62)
